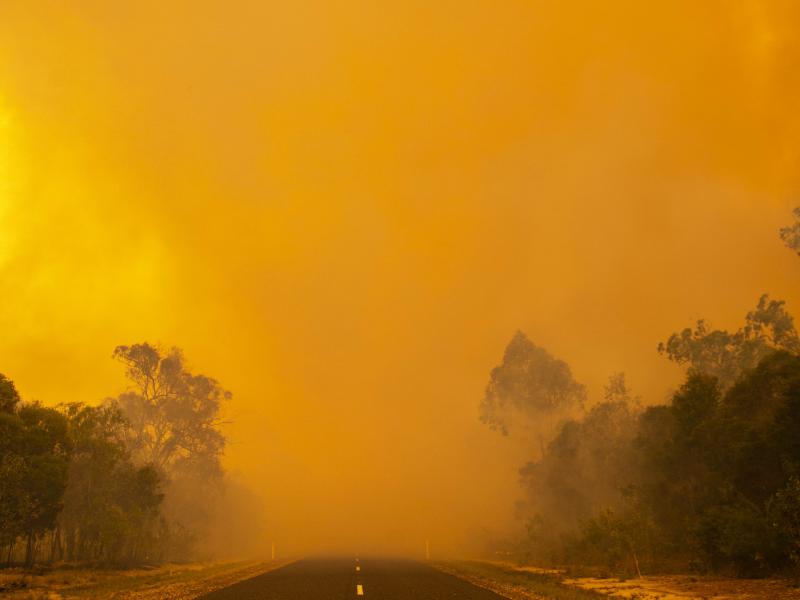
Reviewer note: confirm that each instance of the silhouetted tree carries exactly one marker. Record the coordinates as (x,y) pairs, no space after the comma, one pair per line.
(713,465)
(88,480)
(791,234)
(33,470)
(173,415)
(111,507)
(9,398)
(174,425)
(529,384)
(588,462)
(784,513)
(727,355)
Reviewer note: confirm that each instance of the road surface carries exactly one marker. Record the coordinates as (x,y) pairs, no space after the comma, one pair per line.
(345,578)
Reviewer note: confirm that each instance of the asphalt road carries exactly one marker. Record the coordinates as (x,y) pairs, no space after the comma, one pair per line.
(342,579)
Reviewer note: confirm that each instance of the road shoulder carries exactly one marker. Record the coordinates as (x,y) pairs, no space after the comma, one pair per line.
(167,582)
(527,583)
(515,583)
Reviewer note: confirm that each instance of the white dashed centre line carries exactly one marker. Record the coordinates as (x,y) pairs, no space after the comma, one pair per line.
(359,590)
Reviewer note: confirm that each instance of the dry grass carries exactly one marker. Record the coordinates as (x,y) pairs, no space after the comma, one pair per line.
(684,587)
(516,583)
(173,582)
(524,583)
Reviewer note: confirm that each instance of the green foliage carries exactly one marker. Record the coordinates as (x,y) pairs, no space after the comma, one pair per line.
(739,536)
(111,507)
(612,540)
(173,414)
(784,513)
(172,422)
(9,398)
(791,234)
(585,465)
(530,383)
(727,356)
(712,465)
(33,463)
(712,479)
(132,480)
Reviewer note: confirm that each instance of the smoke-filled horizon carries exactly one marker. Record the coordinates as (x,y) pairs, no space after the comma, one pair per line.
(344,212)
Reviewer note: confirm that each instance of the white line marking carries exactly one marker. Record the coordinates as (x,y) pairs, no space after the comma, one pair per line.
(359,590)
(358,568)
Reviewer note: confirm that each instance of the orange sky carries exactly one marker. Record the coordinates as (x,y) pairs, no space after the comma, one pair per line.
(344,210)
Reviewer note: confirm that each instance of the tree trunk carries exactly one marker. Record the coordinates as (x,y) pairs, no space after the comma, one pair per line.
(70,543)
(80,549)
(636,563)
(10,553)
(29,551)
(55,545)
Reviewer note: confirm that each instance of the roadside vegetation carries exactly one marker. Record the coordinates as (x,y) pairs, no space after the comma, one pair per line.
(708,482)
(134,480)
(516,583)
(169,580)
(531,583)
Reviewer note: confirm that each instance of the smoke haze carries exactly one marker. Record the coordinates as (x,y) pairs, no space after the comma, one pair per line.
(344,211)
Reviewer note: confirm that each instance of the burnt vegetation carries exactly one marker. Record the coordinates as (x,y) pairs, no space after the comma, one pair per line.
(709,481)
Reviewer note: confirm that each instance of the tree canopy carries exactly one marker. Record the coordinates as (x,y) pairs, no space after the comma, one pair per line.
(726,355)
(530,383)
(791,233)
(172,414)
(130,480)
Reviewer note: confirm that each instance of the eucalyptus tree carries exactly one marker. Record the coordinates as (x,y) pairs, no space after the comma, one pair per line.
(34,454)
(529,388)
(725,355)
(172,414)
(174,425)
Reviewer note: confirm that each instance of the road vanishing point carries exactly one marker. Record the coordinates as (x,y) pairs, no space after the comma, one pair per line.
(345,578)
